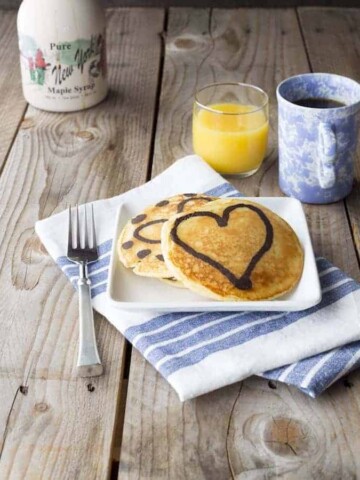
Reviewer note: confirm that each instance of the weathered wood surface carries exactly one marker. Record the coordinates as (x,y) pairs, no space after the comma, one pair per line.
(333,41)
(248,430)
(52,424)
(279,433)
(12,103)
(211,3)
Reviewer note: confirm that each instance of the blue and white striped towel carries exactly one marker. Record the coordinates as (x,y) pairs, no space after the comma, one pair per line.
(200,352)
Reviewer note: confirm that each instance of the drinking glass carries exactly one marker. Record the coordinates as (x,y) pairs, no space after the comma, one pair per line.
(231,126)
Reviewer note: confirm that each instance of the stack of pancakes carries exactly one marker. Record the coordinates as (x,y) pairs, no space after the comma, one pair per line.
(226,249)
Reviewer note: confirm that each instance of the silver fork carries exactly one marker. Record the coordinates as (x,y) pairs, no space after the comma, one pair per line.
(82,252)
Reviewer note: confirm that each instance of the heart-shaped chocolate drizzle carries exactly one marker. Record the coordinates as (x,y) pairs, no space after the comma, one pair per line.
(244,282)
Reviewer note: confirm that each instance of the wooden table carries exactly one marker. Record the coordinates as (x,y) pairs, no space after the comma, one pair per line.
(129,422)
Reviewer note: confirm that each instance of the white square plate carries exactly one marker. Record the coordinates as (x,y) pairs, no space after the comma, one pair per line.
(131,292)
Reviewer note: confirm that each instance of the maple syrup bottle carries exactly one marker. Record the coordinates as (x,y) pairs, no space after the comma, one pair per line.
(62,53)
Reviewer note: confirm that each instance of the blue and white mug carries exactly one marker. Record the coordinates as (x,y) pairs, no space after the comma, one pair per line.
(317,146)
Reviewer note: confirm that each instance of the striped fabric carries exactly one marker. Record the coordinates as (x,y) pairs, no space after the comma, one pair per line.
(313,375)
(176,341)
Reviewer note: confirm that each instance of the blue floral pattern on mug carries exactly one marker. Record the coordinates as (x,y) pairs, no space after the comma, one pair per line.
(317,146)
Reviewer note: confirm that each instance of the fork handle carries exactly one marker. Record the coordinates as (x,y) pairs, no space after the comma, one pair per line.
(89,363)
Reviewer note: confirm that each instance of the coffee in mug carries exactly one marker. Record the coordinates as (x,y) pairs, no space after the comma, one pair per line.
(319,103)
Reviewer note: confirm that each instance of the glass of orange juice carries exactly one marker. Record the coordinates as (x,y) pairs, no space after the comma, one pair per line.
(231,126)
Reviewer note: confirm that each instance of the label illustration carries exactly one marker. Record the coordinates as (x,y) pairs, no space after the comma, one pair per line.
(66,69)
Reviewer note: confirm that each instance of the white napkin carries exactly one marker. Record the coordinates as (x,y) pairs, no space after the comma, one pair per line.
(200,352)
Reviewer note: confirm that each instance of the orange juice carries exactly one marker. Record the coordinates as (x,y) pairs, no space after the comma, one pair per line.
(231,137)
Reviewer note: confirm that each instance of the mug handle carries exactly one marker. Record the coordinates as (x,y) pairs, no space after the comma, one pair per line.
(327,156)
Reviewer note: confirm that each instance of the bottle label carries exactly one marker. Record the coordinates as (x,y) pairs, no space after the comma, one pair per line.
(66,70)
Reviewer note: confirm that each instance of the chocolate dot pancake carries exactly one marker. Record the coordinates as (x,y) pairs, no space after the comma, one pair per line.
(233,249)
(139,245)
(172,282)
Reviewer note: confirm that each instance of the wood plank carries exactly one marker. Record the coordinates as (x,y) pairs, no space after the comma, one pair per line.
(52,424)
(12,102)
(244,430)
(164,438)
(278,433)
(333,42)
(212,3)
(230,3)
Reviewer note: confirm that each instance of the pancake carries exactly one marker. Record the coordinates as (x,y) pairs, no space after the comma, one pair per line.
(233,249)
(139,245)
(172,282)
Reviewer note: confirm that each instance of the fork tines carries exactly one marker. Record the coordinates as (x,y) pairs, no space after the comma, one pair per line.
(85,234)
